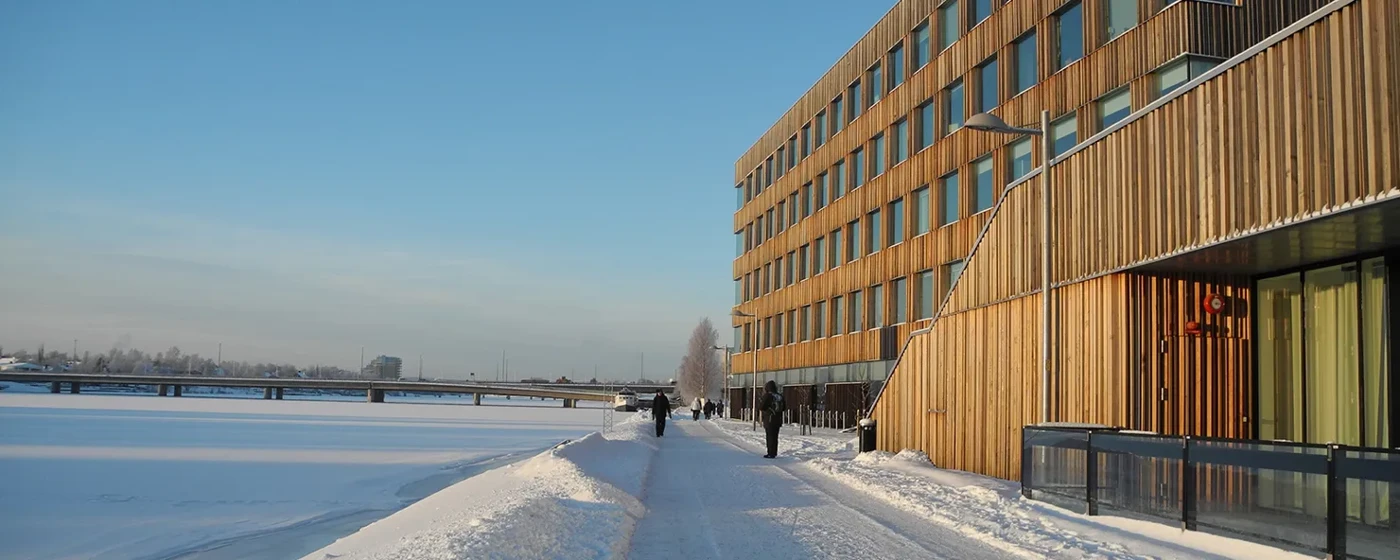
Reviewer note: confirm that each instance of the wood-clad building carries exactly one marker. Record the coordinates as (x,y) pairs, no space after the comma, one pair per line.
(1237,153)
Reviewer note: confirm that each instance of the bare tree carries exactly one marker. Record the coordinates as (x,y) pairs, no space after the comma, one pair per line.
(700,372)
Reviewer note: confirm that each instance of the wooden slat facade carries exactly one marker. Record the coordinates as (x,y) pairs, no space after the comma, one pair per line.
(1164,34)
(1303,129)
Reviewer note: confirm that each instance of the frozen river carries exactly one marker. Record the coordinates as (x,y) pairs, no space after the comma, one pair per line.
(102,476)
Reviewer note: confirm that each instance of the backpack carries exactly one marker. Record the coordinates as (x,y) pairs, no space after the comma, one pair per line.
(776,406)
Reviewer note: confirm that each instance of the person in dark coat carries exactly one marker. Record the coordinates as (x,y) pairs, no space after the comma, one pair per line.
(709,409)
(772,407)
(660,410)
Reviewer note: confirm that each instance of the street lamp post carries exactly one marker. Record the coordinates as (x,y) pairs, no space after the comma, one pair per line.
(753,383)
(987,122)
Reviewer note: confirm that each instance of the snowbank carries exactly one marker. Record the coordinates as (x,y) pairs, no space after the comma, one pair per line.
(578,500)
(992,510)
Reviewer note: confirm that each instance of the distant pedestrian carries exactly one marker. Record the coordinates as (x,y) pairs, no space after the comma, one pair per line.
(772,406)
(709,409)
(719,408)
(695,408)
(660,410)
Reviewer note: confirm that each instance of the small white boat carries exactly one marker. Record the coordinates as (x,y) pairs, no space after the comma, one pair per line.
(625,401)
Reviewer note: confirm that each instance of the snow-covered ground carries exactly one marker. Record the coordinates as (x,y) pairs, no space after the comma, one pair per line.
(703,491)
(97,476)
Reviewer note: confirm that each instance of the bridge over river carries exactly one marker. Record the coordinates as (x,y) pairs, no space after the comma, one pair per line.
(273,388)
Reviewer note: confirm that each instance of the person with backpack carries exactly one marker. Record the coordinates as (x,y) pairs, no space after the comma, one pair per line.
(659,406)
(772,406)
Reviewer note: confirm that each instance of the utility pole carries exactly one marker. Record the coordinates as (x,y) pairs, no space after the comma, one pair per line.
(420,367)
(362,361)
(75,350)
(221,355)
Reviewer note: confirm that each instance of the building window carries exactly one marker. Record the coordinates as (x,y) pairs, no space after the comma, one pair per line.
(791,267)
(921,211)
(948,24)
(792,326)
(820,123)
(768,172)
(767,278)
(1114,107)
(877,83)
(837,115)
(838,176)
(739,243)
(738,291)
(899,298)
(1119,16)
(821,191)
(835,251)
(739,192)
(857,168)
(838,315)
(925,133)
(806,323)
(804,262)
(1069,27)
(856,312)
(778,330)
(1023,51)
(877,155)
(901,141)
(987,94)
(981,9)
(896,66)
(818,256)
(925,296)
(792,209)
(778,279)
(1175,74)
(921,46)
(877,306)
(1063,134)
(807,206)
(806,141)
(1020,158)
(953,108)
(853,94)
(948,206)
(782,162)
(792,152)
(985,192)
(740,341)
(853,241)
(897,221)
(819,320)
(951,272)
(872,231)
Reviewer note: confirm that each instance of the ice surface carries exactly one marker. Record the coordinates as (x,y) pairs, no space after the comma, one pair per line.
(93,476)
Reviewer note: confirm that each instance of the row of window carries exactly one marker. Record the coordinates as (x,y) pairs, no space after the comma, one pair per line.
(873,158)
(856,311)
(891,71)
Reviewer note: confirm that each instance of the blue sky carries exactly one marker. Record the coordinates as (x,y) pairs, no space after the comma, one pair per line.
(453,179)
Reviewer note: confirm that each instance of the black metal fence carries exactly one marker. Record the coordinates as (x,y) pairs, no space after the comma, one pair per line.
(1337,499)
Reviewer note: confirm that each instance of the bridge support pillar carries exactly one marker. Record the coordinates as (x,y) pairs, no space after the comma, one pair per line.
(376,395)
(75,388)
(267,393)
(179,390)
(162,389)
(570,403)
(278,394)
(55,387)
(476,399)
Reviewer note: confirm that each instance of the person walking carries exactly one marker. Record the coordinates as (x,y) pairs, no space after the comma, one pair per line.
(719,409)
(772,406)
(709,409)
(695,409)
(660,410)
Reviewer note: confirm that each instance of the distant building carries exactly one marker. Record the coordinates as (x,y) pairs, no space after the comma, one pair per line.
(384,367)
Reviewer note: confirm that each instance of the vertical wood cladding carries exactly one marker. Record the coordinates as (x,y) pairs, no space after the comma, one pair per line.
(1302,129)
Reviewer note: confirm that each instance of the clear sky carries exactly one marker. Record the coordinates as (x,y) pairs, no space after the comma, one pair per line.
(297,180)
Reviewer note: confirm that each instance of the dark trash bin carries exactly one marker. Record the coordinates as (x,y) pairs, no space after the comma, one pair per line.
(867,435)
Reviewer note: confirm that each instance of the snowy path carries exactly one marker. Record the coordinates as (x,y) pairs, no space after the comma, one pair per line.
(710,496)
